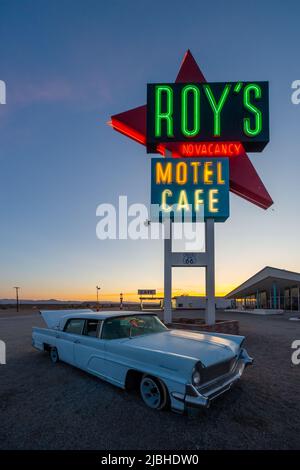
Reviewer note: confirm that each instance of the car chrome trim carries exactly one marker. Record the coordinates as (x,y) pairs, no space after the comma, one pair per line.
(203,395)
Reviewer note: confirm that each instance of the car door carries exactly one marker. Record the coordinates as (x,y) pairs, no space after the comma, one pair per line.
(114,336)
(89,350)
(68,338)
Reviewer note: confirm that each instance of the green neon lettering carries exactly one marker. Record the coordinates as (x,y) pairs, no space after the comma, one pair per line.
(238,87)
(166,115)
(217,107)
(184,107)
(253,109)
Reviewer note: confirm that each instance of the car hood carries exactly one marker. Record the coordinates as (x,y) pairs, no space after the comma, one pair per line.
(204,347)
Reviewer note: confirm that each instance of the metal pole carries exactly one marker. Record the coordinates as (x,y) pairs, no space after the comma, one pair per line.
(210,314)
(168,265)
(97,289)
(274,296)
(17,297)
(168,272)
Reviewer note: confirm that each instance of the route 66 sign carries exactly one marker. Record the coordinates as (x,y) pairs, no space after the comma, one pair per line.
(189,259)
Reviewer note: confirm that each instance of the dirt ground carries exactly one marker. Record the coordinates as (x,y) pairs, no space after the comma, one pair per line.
(43,406)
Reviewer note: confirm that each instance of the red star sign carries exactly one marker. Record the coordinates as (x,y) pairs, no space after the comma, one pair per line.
(244,180)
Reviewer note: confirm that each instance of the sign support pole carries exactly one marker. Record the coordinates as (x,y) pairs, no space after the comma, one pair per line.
(210,314)
(168,265)
(168,272)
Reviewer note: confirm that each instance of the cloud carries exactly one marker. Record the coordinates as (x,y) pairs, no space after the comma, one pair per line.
(48,91)
(93,92)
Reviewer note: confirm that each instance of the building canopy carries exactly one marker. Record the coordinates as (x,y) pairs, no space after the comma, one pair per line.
(264,280)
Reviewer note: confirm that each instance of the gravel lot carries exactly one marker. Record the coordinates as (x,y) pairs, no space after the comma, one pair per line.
(43,406)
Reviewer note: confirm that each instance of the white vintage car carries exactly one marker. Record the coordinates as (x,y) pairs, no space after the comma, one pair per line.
(175,368)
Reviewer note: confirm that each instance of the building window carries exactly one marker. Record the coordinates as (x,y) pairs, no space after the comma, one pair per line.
(287,300)
(263,299)
(294,298)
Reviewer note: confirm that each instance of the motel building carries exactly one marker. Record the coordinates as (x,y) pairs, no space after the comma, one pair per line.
(271,290)
(187,302)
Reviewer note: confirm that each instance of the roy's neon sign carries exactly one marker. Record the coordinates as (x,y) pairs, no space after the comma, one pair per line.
(212,112)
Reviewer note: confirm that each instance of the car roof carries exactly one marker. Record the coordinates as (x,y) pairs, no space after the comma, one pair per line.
(58,318)
(105,315)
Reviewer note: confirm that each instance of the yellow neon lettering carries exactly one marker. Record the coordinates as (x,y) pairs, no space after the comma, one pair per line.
(207,173)
(213,200)
(198,201)
(183,201)
(195,166)
(181,173)
(220,179)
(163,174)
(164,206)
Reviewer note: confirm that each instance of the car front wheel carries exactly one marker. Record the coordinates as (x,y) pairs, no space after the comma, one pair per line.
(154,393)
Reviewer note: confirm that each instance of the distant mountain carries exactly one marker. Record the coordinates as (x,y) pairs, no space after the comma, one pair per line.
(60,302)
(49,301)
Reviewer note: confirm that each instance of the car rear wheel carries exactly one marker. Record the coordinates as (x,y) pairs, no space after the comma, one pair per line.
(54,355)
(154,393)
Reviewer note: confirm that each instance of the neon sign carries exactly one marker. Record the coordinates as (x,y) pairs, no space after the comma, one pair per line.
(191,186)
(209,149)
(244,179)
(212,112)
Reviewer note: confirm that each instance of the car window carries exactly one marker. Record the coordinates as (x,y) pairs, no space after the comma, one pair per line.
(91,327)
(133,325)
(75,326)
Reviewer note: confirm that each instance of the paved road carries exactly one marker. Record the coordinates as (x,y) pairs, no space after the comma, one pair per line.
(43,406)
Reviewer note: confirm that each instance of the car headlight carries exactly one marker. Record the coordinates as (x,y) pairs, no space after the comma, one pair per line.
(196,377)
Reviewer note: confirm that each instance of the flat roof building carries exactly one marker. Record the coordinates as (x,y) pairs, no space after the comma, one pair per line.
(198,302)
(270,288)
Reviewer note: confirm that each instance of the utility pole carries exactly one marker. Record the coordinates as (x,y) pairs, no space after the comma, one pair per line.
(97,289)
(17,296)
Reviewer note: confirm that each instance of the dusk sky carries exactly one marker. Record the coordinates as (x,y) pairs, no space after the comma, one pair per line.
(68,66)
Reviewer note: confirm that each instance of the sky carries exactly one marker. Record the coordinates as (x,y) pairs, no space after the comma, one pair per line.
(68,66)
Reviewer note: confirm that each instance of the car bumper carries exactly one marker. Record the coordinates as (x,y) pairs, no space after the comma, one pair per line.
(202,396)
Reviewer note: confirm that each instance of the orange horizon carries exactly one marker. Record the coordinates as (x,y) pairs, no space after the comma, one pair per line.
(113,296)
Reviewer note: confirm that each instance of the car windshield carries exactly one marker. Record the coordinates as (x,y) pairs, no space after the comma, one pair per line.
(133,325)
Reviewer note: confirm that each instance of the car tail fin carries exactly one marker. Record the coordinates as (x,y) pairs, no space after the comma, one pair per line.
(52,317)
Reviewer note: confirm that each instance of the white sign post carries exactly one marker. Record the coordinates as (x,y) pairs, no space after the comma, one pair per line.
(186,259)
(210,314)
(168,272)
